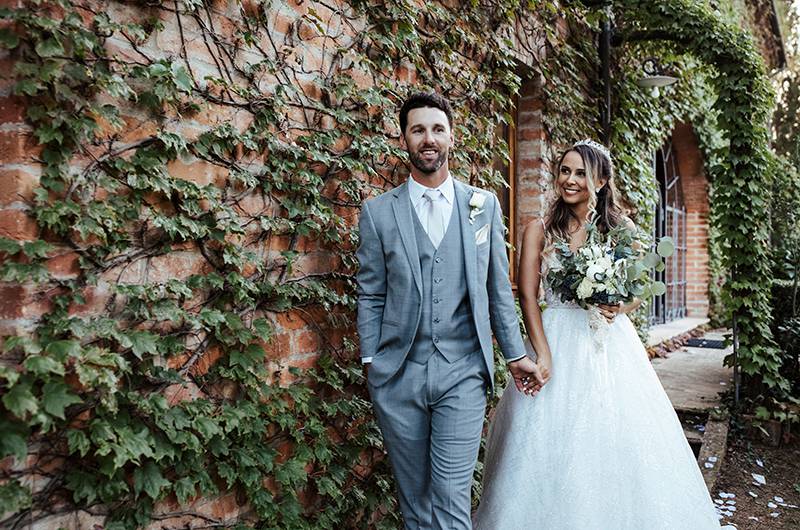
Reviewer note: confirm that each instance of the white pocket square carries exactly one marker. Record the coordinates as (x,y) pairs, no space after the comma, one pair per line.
(482,235)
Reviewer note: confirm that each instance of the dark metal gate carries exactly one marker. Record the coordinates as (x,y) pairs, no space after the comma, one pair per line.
(670,222)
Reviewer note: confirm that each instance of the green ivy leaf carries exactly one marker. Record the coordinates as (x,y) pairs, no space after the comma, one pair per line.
(14,497)
(62,349)
(8,39)
(143,342)
(9,374)
(49,47)
(148,479)
(9,246)
(41,365)
(185,489)
(14,439)
(56,397)
(182,79)
(20,400)
(78,442)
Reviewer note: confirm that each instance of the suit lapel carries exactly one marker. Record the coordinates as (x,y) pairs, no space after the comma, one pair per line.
(468,238)
(401,205)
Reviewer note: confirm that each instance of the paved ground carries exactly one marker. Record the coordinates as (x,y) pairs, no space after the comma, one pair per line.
(694,377)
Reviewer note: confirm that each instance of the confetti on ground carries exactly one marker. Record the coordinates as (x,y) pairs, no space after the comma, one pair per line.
(712,459)
(724,495)
(751,518)
(777,499)
(771,505)
(754,495)
(774,514)
(759,463)
(759,479)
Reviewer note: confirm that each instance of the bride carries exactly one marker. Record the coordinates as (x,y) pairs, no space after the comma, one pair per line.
(599,447)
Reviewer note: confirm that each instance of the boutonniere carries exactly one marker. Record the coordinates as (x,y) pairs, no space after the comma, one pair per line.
(476,205)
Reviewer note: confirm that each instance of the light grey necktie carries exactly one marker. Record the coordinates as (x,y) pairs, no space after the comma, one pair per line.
(435,228)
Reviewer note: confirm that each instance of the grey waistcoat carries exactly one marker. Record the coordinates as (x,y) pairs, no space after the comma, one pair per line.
(446,324)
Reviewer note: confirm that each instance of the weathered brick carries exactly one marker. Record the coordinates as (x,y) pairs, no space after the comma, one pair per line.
(17,224)
(95,298)
(18,147)
(12,109)
(291,320)
(175,265)
(179,392)
(200,172)
(17,185)
(279,346)
(307,342)
(208,359)
(19,301)
(64,265)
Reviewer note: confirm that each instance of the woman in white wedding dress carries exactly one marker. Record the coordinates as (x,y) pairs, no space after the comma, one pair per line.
(599,447)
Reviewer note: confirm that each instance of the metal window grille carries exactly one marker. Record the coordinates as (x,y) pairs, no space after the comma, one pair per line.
(670,222)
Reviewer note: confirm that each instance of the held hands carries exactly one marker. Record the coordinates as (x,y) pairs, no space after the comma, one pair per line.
(528,376)
(610,312)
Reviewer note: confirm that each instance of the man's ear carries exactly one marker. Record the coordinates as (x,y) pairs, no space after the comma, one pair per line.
(403,140)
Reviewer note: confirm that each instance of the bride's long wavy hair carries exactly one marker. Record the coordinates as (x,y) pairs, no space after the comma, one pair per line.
(603,204)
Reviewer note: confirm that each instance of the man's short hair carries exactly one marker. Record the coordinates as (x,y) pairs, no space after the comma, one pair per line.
(424,99)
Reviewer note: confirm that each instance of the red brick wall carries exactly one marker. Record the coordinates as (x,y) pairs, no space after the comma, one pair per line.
(533,179)
(296,342)
(695,193)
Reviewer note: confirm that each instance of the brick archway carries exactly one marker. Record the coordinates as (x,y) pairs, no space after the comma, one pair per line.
(695,192)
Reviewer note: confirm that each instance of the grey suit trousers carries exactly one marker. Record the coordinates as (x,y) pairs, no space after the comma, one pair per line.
(431,416)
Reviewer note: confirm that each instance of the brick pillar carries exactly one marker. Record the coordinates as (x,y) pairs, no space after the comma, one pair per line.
(532,173)
(695,193)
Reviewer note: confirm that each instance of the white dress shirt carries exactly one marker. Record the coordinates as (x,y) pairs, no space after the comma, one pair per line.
(416,192)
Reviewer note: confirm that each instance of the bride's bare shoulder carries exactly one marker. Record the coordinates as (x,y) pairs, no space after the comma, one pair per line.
(534,233)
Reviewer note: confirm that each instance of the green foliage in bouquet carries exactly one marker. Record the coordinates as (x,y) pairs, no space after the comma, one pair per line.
(608,268)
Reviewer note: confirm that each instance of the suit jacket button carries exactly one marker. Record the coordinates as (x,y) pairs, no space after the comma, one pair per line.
(435,300)
(438,260)
(436,340)
(435,320)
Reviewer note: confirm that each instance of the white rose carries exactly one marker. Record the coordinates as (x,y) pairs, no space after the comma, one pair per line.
(477,200)
(595,272)
(584,289)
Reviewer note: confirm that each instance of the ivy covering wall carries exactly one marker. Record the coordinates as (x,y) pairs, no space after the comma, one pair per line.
(202,165)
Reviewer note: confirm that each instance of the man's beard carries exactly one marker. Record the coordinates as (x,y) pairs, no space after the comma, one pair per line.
(425,166)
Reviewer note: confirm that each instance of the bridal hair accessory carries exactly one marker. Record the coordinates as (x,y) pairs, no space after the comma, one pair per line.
(596,146)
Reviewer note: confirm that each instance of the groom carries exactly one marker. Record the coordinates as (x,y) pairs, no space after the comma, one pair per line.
(433,285)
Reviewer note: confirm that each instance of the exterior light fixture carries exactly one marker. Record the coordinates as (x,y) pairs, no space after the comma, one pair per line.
(654,77)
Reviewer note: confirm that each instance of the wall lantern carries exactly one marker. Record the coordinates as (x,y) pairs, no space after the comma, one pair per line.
(655,77)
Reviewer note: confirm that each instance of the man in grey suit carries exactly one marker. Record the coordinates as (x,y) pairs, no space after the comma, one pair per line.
(433,285)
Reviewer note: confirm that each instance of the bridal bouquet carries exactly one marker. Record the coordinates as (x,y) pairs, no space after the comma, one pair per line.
(609,269)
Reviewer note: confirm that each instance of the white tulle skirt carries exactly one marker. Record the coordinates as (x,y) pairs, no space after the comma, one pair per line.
(599,448)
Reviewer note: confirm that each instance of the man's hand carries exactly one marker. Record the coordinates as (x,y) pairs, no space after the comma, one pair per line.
(527,376)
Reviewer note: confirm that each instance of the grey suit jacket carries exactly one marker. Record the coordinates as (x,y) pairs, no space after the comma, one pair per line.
(390,280)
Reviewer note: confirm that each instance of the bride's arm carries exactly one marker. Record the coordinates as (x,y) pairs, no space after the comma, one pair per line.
(530,262)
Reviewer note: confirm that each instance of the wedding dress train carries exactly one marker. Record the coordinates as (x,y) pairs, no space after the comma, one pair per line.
(599,448)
